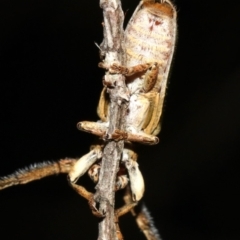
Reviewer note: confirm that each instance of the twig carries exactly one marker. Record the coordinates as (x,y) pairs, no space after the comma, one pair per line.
(113,50)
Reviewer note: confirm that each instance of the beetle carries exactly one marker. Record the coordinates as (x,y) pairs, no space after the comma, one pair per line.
(149,46)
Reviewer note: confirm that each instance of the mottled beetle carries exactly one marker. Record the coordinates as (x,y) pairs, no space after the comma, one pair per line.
(149,46)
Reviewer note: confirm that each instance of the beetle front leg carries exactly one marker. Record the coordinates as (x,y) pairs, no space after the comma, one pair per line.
(80,168)
(129,159)
(94,171)
(135,176)
(84,163)
(82,191)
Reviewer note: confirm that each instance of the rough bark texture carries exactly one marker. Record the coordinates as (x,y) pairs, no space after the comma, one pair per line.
(113,50)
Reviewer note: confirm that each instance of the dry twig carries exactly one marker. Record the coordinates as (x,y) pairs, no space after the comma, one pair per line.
(113,50)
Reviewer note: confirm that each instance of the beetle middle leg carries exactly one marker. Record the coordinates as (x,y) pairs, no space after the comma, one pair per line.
(148,71)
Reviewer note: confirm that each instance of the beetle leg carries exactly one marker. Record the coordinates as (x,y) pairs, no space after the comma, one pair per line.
(120,212)
(87,195)
(135,176)
(84,163)
(142,108)
(103,104)
(125,209)
(153,126)
(143,218)
(129,71)
(94,172)
(149,70)
(139,137)
(79,168)
(37,171)
(131,135)
(122,182)
(96,128)
(118,231)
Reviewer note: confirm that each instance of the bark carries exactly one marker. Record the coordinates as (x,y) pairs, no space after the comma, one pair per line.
(113,50)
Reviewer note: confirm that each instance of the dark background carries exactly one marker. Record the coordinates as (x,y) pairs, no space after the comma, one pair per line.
(50,81)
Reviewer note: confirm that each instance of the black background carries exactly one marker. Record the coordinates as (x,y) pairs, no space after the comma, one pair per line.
(50,81)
